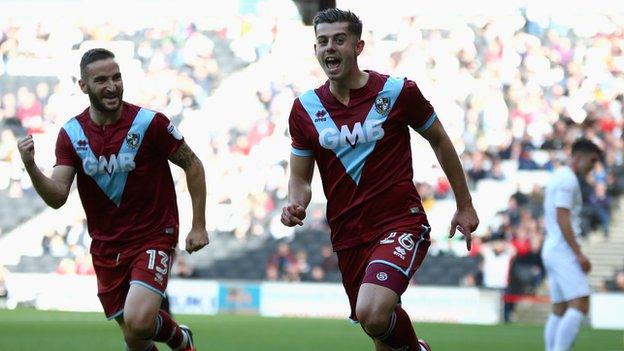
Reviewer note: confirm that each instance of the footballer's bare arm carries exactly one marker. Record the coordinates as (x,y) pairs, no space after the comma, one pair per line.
(54,189)
(184,157)
(299,190)
(465,218)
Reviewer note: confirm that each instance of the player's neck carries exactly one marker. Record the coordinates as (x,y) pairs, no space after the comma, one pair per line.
(341,89)
(102,118)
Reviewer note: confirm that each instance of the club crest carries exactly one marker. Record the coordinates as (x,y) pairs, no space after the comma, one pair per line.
(382,105)
(132,140)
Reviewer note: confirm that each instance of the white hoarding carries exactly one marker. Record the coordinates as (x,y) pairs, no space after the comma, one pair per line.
(607,310)
(303,300)
(193,296)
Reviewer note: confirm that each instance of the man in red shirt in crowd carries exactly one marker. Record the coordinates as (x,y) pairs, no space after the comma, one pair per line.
(120,153)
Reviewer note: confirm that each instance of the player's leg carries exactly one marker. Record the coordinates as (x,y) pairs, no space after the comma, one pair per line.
(380,346)
(552,324)
(570,323)
(133,343)
(352,263)
(559,304)
(383,319)
(375,307)
(387,276)
(574,286)
(142,313)
(164,305)
(113,276)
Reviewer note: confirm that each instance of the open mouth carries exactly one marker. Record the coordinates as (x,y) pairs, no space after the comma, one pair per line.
(332,63)
(111,99)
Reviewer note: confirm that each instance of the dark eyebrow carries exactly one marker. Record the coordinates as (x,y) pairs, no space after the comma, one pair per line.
(118,74)
(335,35)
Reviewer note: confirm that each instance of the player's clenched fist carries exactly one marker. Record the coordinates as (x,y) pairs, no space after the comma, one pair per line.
(26,147)
(293,214)
(196,240)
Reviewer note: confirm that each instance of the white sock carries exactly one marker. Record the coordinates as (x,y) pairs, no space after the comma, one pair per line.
(550,330)
(567,330)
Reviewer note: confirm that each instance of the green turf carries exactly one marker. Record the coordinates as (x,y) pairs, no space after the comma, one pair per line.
(26,330)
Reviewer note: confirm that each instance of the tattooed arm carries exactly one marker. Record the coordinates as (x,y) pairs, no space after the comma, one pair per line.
(186,159)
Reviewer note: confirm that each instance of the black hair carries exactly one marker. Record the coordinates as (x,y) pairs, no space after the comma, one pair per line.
(585,146)
(91,56)
(334,15)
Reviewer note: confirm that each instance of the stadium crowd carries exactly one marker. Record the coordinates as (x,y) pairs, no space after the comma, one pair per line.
(513,95)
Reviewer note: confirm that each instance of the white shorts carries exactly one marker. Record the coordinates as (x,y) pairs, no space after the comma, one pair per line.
(566,279)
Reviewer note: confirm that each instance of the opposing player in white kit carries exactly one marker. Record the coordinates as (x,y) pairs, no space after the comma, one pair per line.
(565,263)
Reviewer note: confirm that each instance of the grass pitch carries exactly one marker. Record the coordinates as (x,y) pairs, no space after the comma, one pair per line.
(30,330)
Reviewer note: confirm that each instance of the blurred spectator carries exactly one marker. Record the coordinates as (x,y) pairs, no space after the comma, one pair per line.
(182,266)
(477,171)
(317,274)
(475,278)
(29,111)
(616,284)
(67,266)
(600,207)
(303,267)
(497,257)
(330,259)
(84,265)
(46,241)
(58,247)
(283,264)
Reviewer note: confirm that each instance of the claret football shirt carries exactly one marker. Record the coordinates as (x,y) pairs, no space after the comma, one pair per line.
(123,176)
(363,154)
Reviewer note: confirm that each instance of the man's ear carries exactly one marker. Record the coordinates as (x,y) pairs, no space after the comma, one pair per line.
(359,47)
(83,86)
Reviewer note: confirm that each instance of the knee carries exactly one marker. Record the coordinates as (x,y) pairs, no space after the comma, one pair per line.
(373,319)
(581,304)
(139,327)
(559,309)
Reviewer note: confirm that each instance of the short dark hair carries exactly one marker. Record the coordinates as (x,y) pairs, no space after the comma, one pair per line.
(334,15)
(92,56)
(585,146)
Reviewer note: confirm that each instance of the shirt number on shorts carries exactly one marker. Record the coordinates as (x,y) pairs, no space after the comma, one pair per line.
(163,264)
(389,239)
(406,240)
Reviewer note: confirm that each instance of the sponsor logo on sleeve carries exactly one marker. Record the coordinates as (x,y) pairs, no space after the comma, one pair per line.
(173,130)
